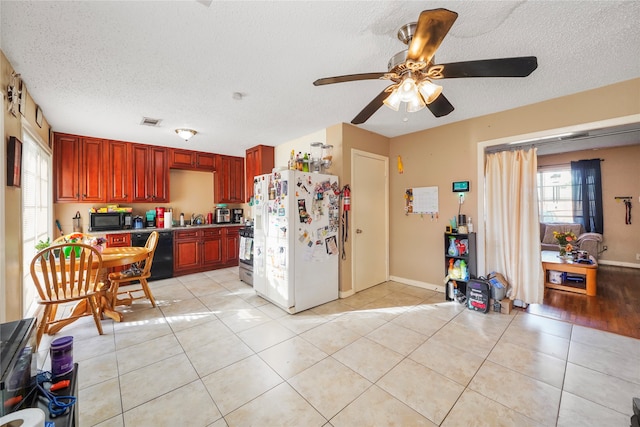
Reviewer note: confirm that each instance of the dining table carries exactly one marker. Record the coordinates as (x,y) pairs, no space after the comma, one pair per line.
(111,257)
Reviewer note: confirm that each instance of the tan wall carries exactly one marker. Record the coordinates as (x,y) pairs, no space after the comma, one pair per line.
(445,154)
(11,301)
(620,177)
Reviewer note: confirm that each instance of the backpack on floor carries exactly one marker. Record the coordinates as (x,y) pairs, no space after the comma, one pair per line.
(478,294)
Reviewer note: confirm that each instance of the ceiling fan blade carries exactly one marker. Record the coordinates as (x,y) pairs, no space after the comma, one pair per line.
(348,78)
(371,108)
(441,106)
(433,26)
(502,67)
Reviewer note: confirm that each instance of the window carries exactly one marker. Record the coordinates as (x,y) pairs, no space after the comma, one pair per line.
(37,209)
(555,203)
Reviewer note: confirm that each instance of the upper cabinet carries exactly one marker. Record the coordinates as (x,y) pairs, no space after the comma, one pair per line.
(97,171)
(79,169)
(118,176)
(259,161)
(229,180)
(150,173)
(192,160)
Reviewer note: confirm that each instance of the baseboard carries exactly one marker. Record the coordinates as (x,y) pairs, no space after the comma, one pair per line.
(416,283)
(346,294)
(618,263)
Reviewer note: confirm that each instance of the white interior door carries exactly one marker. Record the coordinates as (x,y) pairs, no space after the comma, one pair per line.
(370,219)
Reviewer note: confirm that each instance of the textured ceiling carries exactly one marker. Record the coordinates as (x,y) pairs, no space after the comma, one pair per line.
(99,67)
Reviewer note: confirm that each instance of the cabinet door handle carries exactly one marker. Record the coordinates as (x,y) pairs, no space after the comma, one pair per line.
(358,231)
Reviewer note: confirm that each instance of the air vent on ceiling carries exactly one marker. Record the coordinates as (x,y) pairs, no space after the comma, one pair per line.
(148,121)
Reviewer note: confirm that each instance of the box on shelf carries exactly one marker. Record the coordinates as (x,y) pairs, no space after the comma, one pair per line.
(556,277)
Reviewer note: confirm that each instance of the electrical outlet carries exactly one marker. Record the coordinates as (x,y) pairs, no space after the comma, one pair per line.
(637,257)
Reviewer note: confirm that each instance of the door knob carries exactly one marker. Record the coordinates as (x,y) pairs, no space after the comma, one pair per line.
(358,231)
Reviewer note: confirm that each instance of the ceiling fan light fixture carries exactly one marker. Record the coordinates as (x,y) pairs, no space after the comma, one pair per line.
(186,134)
(407,89)
(415,104)
(393,101)
(429,91)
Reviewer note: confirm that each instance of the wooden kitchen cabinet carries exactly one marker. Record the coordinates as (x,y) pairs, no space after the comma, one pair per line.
(66,159)
(118,174)
(186,251)
(79,169)
(229,180)
(192,160)
(203,249)
(259,160)
(212,248)
(118,240)
(231,242)
(196,250)
(150,173)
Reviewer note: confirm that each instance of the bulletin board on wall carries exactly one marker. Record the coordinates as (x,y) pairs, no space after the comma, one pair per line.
(421,200)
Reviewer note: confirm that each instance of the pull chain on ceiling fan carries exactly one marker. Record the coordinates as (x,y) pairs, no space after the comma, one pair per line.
(413,70)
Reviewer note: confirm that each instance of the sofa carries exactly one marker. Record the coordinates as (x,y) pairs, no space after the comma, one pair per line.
(589,242)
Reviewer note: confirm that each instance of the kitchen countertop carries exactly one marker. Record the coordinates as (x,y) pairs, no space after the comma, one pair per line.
(150,229)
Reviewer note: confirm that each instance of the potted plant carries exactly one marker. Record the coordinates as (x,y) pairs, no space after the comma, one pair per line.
(42,245)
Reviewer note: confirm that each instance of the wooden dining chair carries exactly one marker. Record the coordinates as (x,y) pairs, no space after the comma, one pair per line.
(139,272)
(61,280)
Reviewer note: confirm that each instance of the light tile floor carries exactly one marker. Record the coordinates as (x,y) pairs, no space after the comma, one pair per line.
(215,354)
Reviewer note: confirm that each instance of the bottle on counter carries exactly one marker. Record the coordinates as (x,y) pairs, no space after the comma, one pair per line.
(299,161)
(292,160)
(305,163)
(182,219)
(464,272)
(469,225)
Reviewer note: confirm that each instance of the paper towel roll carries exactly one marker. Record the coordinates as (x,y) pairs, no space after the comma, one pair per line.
(167,220)
(32,417)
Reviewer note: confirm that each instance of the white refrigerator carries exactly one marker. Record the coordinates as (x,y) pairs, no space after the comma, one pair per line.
(295,244)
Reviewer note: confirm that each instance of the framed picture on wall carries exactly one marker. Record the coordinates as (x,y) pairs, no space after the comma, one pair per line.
(14,162)
(38,116)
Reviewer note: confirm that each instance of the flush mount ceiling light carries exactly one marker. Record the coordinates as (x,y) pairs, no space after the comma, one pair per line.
(186,134)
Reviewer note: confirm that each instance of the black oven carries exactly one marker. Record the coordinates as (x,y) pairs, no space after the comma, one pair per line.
(245,265)
(106,221)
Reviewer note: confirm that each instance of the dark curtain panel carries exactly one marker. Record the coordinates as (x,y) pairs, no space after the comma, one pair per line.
(587,194)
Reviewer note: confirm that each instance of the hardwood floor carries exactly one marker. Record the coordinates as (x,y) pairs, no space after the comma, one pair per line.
(616,308)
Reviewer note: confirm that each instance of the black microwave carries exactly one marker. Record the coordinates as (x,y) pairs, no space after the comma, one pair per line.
(106,221)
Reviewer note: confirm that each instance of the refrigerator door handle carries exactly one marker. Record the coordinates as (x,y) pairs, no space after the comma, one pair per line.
(265,221)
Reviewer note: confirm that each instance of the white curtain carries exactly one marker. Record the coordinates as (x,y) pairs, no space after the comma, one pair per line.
(512,226)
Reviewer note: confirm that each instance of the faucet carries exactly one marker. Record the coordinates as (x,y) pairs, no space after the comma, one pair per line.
(197,219)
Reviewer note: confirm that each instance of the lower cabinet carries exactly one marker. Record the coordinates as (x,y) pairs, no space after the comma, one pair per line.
(118,240)
(203,249)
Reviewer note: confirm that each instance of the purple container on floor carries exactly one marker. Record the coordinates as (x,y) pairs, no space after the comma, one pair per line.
(61,356)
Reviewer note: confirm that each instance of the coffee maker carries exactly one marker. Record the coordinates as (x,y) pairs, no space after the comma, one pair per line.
(237,215)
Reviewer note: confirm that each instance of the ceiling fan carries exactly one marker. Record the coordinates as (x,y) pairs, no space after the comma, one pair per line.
(413,70)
